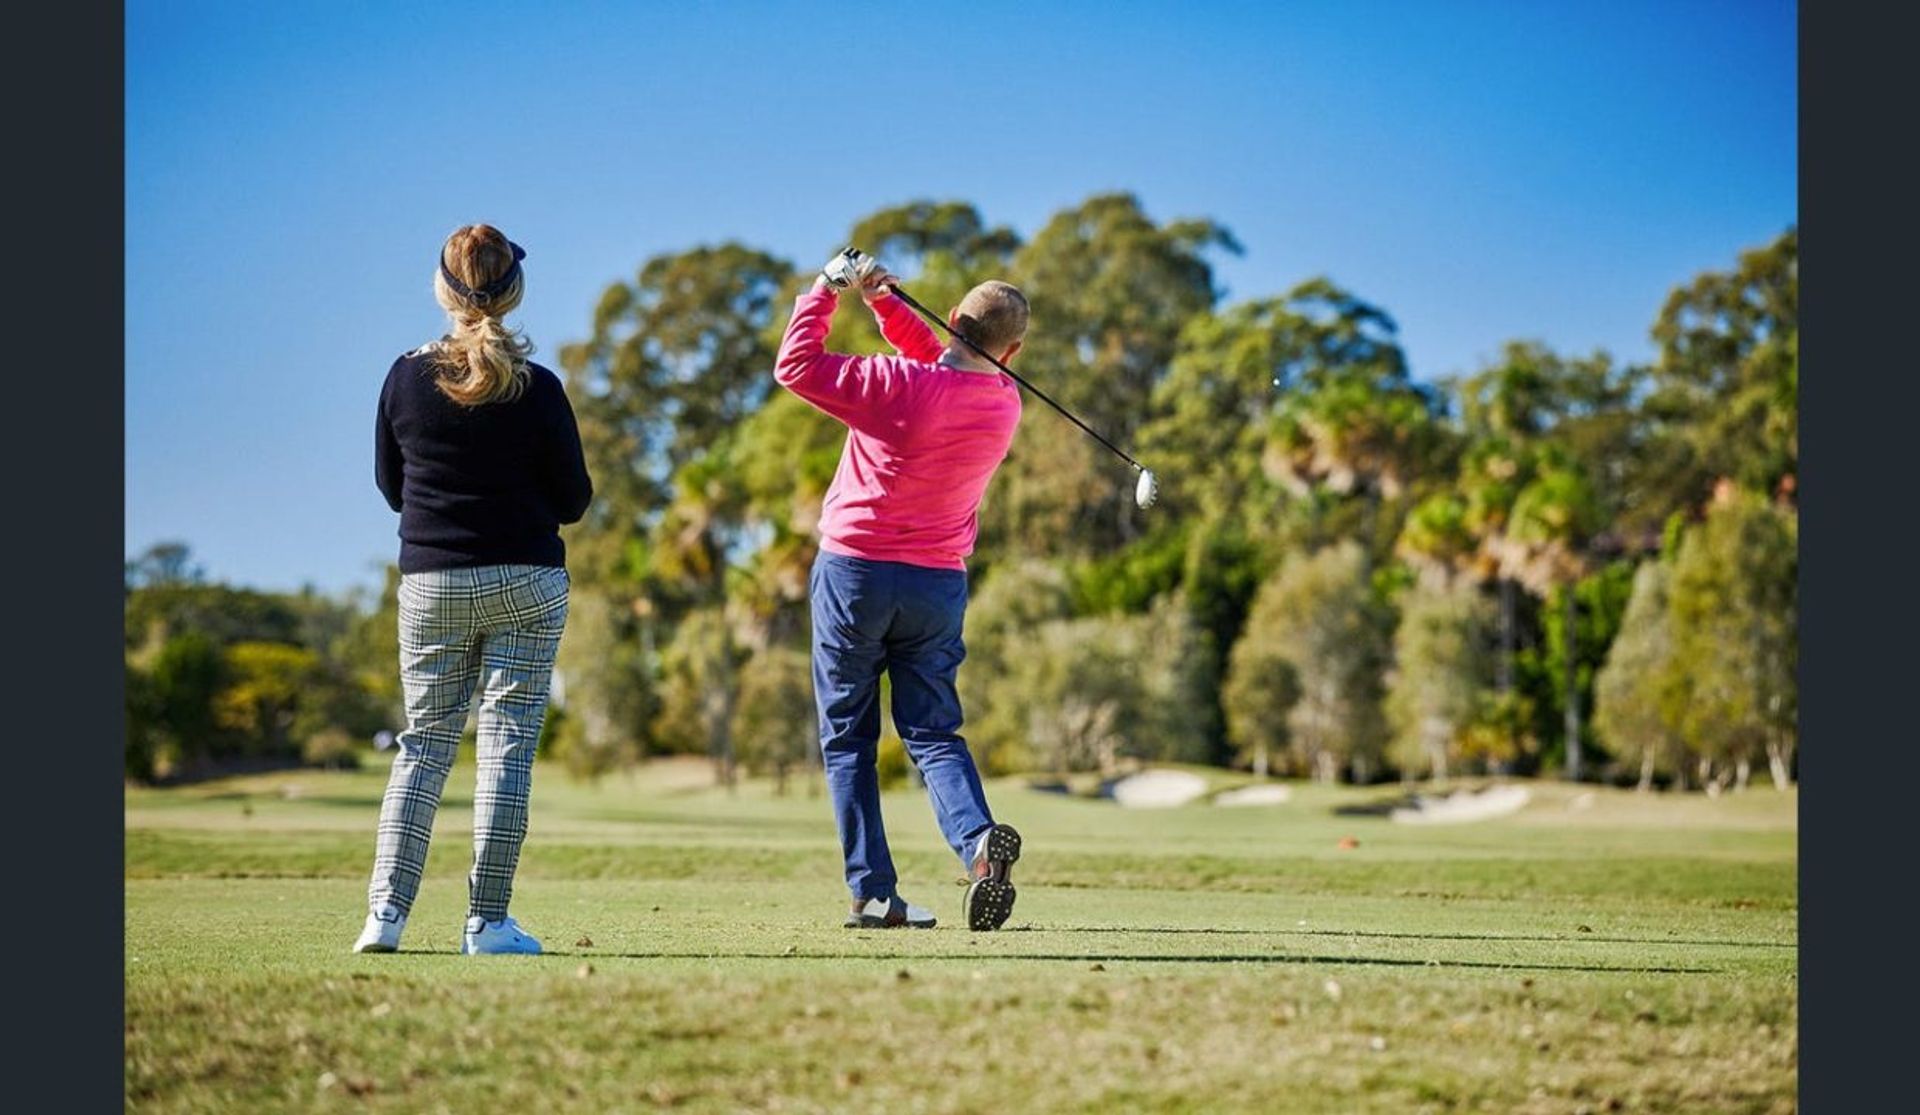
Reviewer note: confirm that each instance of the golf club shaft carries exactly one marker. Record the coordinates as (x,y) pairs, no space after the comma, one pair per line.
(1041,395)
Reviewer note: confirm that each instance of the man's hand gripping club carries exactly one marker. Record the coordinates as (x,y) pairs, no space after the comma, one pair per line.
(854,269)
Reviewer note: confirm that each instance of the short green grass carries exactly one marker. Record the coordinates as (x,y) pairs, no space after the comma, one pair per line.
(1599,951)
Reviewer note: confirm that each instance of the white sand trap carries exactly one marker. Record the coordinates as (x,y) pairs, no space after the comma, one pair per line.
(1462,806)
(1256,794)
(1158,789)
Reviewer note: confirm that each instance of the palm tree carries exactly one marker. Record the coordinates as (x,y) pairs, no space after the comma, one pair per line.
(1544,549)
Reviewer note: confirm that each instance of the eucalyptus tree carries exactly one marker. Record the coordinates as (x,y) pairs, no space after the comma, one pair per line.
(678,356)
(1317,630)
(700,690)
(1724,399)
(1111,290)
(1637,703)
(1734,613)
(676,360)
(773,726)
(1439,673)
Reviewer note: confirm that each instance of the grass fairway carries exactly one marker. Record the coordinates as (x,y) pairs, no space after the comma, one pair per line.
(1629,954)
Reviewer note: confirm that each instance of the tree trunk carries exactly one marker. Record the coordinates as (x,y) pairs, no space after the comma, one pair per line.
(720,734)
(1503,677)
(1742,770)
(1573,692)
(1370,528)
(1325,768)
(1646,771)
(1777,763)
(1260,759)
(1706,777)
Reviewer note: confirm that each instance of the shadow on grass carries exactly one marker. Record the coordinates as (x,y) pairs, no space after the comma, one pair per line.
(1142,958)
(1583,938)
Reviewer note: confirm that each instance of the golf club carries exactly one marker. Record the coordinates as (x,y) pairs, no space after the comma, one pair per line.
(1145,491)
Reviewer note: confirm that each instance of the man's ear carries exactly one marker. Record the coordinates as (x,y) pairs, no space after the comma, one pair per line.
(953,319)
(1007,356)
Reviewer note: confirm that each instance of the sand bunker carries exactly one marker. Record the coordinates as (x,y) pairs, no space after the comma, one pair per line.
(1256,794)
(1158,789)
(1462,806)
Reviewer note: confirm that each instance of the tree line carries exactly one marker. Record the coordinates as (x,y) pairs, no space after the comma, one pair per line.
(1557,562)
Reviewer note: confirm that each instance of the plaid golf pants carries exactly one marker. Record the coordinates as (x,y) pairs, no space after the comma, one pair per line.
(492,629)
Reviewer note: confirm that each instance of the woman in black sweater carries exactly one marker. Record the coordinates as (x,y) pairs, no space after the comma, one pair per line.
(476,448)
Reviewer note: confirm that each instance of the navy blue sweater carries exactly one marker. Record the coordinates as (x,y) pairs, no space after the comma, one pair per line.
(483,485)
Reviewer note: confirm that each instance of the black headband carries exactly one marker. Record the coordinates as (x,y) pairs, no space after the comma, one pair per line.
(481,297)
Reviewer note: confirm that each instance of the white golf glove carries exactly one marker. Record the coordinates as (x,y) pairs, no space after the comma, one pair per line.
(849,269)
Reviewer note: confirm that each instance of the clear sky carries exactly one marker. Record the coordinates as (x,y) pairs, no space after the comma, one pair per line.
(1482,171)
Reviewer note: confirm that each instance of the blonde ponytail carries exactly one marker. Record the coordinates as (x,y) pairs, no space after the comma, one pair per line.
(481,360)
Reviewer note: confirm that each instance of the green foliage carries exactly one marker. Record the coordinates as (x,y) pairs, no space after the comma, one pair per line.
(1317,616)
(1247,387)
(1112,290)
(261,699)
(369,648)
(1601,599)
(606,687)
(219,612)
(1223,570)
(217,674)
(1080,694)
(1260,689)
(1441,674)
(1279,425)
(1283,425)
(1093,691)
(775,728)
(1437,535)
(678,358)
(1733,602)
(332,749)
(1008,606)
(891,763)
(699,689)
(1130,580)
(1726,387)
(1638,695)
(164,563)
(1503,731)
(170,694)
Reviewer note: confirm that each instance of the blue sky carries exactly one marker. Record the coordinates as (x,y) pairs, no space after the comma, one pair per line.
(1482,171)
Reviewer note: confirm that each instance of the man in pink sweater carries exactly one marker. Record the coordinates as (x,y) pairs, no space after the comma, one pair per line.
(925,431)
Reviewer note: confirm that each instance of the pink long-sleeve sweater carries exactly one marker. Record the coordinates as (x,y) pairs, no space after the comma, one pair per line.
(923,439)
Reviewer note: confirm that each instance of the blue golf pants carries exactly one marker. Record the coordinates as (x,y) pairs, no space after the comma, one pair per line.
(871,617)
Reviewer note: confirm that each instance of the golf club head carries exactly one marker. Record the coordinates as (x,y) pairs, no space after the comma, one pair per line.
(1147,490)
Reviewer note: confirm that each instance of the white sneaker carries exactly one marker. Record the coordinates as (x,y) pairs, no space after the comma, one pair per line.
(382,932)
(884,913)
(497,938)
